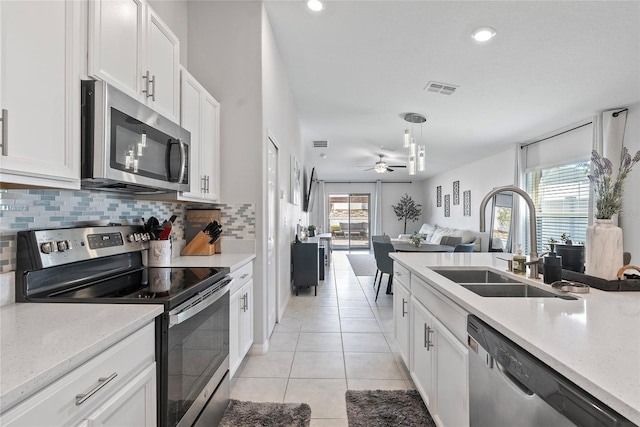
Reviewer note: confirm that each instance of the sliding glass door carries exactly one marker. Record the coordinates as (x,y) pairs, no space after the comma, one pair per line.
(349,221)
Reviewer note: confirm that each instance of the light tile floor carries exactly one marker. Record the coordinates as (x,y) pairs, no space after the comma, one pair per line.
(340,339)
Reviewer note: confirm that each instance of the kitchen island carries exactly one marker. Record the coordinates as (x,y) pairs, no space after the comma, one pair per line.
(594,341)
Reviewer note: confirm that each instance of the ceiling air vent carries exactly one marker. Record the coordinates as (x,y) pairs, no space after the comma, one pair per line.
(320,144)
(442,88)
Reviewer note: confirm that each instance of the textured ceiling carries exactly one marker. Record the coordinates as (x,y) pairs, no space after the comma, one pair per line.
(356,66)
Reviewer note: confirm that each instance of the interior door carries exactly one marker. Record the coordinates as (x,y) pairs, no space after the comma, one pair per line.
(272,199)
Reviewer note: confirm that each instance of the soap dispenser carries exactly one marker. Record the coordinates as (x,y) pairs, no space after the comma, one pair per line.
(552,266)
(519,262)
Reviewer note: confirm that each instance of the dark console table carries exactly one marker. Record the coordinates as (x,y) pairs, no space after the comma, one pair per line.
(308,264)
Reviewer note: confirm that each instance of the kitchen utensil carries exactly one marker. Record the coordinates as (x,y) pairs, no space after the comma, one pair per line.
(574,287)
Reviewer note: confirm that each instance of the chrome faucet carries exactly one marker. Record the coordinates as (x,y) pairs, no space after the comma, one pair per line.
(533,254)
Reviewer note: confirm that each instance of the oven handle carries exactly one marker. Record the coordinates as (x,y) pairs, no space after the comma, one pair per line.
(196,304)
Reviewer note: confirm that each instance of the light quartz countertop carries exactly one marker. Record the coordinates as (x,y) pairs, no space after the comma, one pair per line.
(233,261)
(39,343)
(593,341)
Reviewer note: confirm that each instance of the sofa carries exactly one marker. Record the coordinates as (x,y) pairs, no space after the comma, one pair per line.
(435,233)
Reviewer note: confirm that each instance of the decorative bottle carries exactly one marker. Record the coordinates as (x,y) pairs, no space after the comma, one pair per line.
(519,262)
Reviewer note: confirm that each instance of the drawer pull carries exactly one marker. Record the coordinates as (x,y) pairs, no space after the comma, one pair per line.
(102,381)
(244,276)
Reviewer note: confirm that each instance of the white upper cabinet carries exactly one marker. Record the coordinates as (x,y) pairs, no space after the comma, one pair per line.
(40,92)
(163,54)
(200,115)
(131,48)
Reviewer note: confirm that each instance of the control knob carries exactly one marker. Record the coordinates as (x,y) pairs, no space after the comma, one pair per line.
(131,238)
(63,245)
(47,247)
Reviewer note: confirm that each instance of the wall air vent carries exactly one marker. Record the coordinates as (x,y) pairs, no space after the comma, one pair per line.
(320,144)
(442,88)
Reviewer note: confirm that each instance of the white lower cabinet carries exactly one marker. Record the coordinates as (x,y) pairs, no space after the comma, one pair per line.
(430,330)
(423,367)
(401,320)
(133,405)
(115,388)
(241,316)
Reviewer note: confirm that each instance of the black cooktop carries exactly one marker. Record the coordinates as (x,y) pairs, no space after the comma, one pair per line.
(153,285)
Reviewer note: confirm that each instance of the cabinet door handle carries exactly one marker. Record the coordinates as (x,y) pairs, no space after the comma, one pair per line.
(208,186)
(203,187)
(428,332)
(102,381)
(403,303)
(5,132)
(426,337)
(246,302)
(152,81)
(145,77)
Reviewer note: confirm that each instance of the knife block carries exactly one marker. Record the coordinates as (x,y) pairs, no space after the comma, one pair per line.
(197,220)
(199,245)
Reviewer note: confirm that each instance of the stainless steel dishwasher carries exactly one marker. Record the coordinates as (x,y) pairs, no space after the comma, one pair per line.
(510,387)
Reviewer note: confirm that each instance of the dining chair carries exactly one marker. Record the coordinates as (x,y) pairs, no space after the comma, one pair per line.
(450,241)
(384,263)
(465,247)
(384,238)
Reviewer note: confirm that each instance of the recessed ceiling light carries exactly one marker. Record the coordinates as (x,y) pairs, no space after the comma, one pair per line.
(315,5)
(483,34)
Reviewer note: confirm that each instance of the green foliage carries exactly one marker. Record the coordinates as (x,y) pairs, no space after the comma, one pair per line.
(407,210)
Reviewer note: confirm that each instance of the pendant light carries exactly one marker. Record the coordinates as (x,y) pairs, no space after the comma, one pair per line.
(417,153)
(421,158)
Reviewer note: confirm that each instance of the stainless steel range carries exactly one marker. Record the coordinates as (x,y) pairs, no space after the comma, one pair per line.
(104,265)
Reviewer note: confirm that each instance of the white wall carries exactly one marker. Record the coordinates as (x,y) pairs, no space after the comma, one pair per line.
(629,219)
(175,13)
(233,54)
(480,177)
(281,122)
(225,57)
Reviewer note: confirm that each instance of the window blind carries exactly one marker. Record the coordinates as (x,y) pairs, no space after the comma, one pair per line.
(556,169)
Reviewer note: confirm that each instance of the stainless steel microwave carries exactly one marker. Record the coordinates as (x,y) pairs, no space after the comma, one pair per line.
(128,147)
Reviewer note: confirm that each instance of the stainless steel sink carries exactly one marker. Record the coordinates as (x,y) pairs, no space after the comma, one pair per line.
(488,283)
(519,290)
(475,276)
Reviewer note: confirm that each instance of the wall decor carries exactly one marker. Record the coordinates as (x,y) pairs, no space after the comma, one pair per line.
(466,199)
(447,208)
(439,196)
(456,192)
(296,181)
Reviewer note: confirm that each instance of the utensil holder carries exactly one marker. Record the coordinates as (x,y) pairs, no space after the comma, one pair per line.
(199,245)
(159,253)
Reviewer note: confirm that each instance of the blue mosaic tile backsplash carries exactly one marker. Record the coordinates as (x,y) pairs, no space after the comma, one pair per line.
(33,209)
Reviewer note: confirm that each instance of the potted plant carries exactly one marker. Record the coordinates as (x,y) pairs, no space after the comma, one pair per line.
(572,255)
(417,239)
(604,239)
(312,230)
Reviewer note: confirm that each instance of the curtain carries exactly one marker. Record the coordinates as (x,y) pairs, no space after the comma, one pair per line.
(322,208)
(376,222)
(612,139)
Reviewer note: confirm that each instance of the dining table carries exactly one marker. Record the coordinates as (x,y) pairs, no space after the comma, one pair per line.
(424,247)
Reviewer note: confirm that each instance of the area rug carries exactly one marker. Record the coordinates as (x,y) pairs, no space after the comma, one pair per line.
(382,408)
(256,414)
(363,264)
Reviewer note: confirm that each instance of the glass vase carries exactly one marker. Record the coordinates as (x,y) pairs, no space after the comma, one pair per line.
(604,249)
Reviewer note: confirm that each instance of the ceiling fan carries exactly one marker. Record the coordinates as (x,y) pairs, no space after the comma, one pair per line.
(382,167)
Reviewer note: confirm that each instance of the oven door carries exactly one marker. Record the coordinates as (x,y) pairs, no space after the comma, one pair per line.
(198,355)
